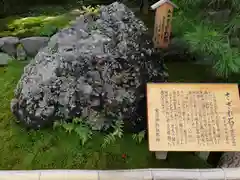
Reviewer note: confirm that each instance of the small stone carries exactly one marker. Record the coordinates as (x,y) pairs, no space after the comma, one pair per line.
(33,44)
(4,58)
(8,45)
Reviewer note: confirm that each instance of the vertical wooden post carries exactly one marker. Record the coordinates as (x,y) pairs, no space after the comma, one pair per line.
(163,20)
(144,7)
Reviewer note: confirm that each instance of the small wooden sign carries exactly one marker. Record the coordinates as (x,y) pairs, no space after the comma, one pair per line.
(163,20)
(193,117)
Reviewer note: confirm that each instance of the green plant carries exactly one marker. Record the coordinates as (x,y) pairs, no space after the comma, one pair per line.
(228,61)
(80,2)
(188,3)
(233,27)
(216,3)
(138,137)
(78,126)
(204,39)
(91,9)
(117,133)
(181,24)
(233,4)
(210,42)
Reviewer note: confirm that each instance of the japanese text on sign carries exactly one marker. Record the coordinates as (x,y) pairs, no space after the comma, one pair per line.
(194,118)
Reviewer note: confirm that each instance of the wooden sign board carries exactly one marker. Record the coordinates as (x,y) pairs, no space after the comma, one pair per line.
(162,26)
(193,117)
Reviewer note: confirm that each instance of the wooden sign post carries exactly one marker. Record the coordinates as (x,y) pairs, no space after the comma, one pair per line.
(193,117)
(163,20)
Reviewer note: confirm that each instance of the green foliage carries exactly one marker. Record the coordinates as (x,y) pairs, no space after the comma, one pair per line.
(188,4)
(78,126)
(218,4)
(214,4)
(208,38)
(181,24)
(68,127)
(42,21)
(233,27)
(212,43)
(117,133)
(204,39)
(84,133)
(139,137)
(91,9)
(57,124)
(228,61)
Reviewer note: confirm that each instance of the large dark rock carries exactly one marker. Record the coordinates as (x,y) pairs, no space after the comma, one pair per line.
(96,69)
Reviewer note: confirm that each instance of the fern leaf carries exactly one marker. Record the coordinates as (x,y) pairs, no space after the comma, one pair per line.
(134,137)
(77,120)
(84,133)
(68,127)
(138,137)
(56,124)
(141,136)
(117,133)
(108,139)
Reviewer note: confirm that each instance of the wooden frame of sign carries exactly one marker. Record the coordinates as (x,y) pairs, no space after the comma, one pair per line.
(193,117)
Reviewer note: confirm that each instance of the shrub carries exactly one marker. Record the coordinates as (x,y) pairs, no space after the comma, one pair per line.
(233,27)
(228,61)
(210,42)
(204,39)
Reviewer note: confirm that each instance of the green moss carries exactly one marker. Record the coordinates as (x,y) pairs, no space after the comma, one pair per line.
(41,21)
(34,26)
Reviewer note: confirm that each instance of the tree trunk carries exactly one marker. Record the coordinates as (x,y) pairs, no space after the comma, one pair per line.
(144,7)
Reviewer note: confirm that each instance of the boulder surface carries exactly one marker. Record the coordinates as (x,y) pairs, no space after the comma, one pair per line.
(4,58)
(33,44)
(97,69)
(8,45)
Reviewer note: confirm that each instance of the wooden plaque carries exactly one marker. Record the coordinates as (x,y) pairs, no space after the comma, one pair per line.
(193,117)
(162,26)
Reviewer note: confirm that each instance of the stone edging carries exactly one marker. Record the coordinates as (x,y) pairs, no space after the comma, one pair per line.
(137,174)
(20,49)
